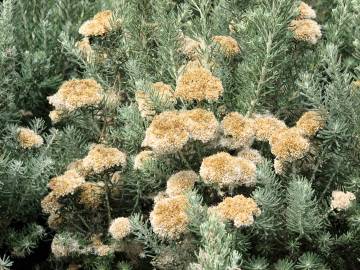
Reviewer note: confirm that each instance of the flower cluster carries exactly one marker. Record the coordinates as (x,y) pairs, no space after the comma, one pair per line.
(238,131)
(197,83)
(91,194)
(266,125)
(180,182)
(341,200)
(169,218)
(238,209)
(162,91)
(190,47)
(226,170)
(306,12)
(27,138)
(101,158)
(75,94)
(85,48)
(250,154)
(142,158)
(310,123)
(171,130)
(120,228)
(99,25)
(228,45)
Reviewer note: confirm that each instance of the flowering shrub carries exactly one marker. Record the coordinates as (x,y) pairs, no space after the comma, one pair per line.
(192,134)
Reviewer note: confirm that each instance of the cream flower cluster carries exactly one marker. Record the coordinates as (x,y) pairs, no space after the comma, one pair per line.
(27,138)
(99,25)
(304,28)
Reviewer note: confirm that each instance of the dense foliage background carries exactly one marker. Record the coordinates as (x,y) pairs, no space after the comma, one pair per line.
(275,73)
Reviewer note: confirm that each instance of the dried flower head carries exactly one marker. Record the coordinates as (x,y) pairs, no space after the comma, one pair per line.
(228,45)
(55,116)
(50,204)
(279,166)
(238,131)
(85,49)
(78,166)
(28,138)
(306,12)
(166,133)
(99,25)
(180,182)
(239,209)
(250,154)
(91,195)
(306,30)
(169,218)
(190,47)
(143,158)
(197,83)
(120,228)
(310,123)
(75,94)
(342,200)
(224,170)
(102,157)
(66,183)
(265,126)
(98,247)
(201,124)
(289,145)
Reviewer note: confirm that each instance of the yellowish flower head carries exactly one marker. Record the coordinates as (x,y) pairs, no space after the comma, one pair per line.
(201,124)
(85,49)
(91,195)
(166,133)
(29,139)
(289,145)
(55,116)
(251,155)
(99,25)
(279,166)
(180,183)
(306,30)
(310,123)
(239,209)
(228,45)
(75,94)
(50,204)
(197,83)
(66,183)
(265,126)
(226,170)
(169,218)
(120,228)
(78,166)
(342,200)
(306,12)
(98,247)
(142,158)
(102,157)
(238,131)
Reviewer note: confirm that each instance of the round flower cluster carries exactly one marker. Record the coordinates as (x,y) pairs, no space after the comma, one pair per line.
(101,158)
(142,158)
(228,45)
(171,130)
(265,126)
(306,30)
(85,49)
(66,183)
(250,154)
(163,92)
(238,209)
(91,195)
(120,228)
(169,218)
(97,247)
(28,138)
(180,182)
(342,200)
(226,170)
(306,12)
(238,131)
(201,124)
(99,25)
(197,83)
(75,94)
(310,123)
(190,47)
